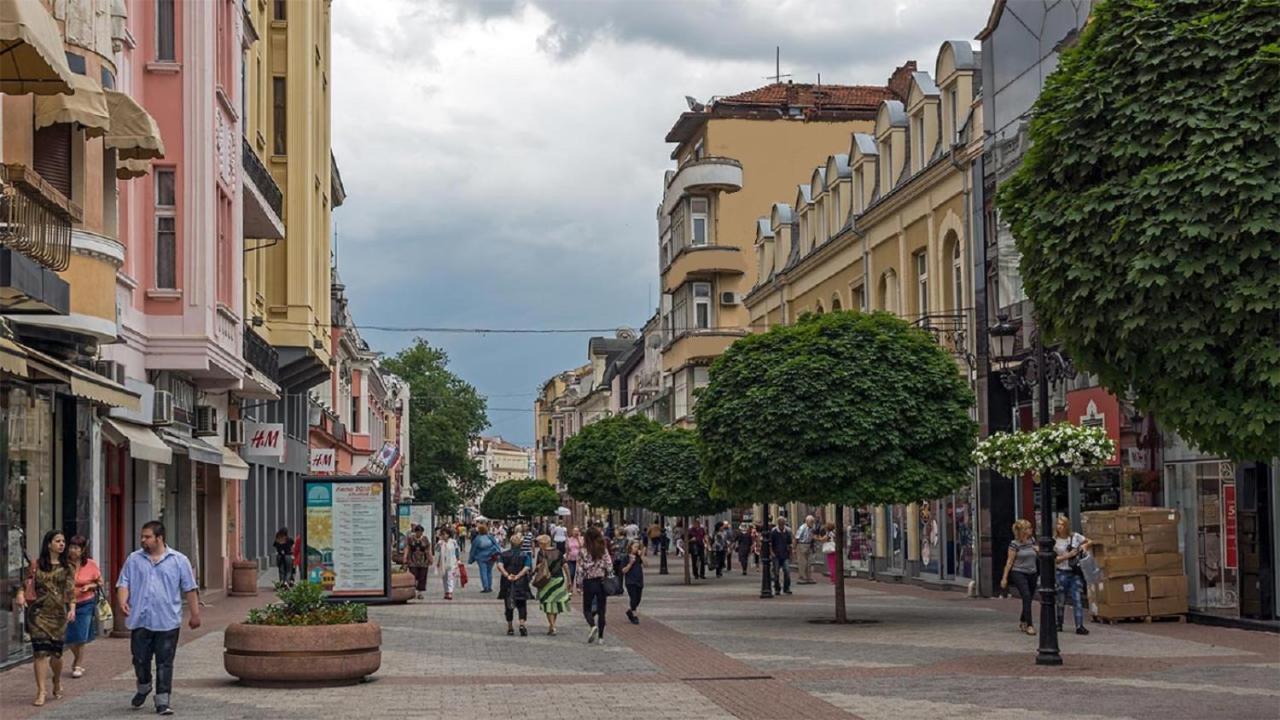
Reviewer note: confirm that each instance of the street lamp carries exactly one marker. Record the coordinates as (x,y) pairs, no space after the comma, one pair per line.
(1039,369)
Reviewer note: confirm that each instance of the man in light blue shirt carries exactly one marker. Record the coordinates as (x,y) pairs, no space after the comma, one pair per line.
(150,590)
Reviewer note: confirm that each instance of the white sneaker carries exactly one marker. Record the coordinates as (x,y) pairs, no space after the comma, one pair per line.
(600,641)
(595,633)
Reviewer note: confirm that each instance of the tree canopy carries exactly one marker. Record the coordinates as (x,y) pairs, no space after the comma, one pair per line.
(588,460)
(663,470)
(503,499)
(538,500)
(1147,212)
(445,413)
(843,408)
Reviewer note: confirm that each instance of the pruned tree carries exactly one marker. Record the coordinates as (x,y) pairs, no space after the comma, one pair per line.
(844,408)
(1147,213)
(503,499)
(538,499)
(588,460)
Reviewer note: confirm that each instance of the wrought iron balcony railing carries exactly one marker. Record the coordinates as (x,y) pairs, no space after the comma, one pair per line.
(261,178)
(950,330)
(35,219)
(261,355)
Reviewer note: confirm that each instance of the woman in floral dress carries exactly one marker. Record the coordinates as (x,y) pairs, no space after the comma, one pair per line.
(49,597)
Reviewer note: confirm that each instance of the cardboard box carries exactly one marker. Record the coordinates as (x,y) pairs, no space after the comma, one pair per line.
(1162,586)
(1098,523)
(1129,524)
(1120,566)
(1098,538)
(1176,605)
(1160,539)
(1164,564)
(1157,517)
(1130,539)
(1119,610)
(1114,591)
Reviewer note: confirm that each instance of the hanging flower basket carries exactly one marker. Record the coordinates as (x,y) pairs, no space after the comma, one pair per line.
(1060,448)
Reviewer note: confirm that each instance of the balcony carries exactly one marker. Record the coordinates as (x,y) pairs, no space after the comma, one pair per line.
(693,345)
(950,330)
(263,200)
(259,354)
(701,262)
(707,175)
(35,243)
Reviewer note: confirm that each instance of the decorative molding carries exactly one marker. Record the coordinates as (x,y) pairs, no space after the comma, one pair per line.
(163,67)
(164,294)
(100,247)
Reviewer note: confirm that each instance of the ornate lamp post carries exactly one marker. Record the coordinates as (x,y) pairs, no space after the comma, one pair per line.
(1038,369)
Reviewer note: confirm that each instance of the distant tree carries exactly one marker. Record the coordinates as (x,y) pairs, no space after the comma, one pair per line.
(538,499)
(445,413)
(588,461)
(844,408)
(503,499)
(1147,213)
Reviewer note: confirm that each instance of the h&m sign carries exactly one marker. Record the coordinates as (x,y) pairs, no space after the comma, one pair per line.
(264,440)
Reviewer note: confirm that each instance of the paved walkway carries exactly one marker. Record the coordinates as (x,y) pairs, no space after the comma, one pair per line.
(715,650)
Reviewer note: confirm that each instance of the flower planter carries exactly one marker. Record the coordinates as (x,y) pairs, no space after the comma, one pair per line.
(302,656)
(244,578)
(402,588)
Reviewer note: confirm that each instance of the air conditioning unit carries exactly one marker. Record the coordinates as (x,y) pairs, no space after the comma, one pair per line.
(162,412)
(729,298)
(110,369)
(206,421)
(235,433)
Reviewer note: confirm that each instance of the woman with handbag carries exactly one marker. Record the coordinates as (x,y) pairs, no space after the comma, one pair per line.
(1068,547)
(88,579)
(551,581)
(48,596)
(594,567)
(417,552)
(514,591)
(447,558)
(827,541)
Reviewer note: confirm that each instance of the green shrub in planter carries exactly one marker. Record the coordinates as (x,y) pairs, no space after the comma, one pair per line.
(304,604)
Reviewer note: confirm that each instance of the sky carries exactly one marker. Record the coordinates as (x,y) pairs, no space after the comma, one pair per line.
(503,160)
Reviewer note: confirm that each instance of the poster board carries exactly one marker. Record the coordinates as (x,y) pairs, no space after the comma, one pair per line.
(409,514)
(345,536)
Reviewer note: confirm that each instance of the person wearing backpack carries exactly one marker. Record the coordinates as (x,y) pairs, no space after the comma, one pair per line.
(484,552)
(1068,547)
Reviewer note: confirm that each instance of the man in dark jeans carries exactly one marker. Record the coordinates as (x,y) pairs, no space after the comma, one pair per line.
(156,578)
(780,545)
(698,550)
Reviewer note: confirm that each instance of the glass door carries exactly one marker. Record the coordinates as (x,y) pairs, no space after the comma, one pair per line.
(1216,524)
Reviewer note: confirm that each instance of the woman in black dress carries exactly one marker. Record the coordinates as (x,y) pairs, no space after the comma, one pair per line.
(515,565)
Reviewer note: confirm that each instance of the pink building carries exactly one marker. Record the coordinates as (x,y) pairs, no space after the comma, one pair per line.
(180,291)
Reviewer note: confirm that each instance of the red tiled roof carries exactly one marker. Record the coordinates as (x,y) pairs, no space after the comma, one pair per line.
(805,95)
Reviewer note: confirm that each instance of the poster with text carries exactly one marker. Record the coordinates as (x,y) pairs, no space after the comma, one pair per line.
(346,535)
(410,514)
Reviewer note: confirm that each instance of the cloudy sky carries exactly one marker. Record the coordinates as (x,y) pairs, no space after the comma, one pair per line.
(503,159)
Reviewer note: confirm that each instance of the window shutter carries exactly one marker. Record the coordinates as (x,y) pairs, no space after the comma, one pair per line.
(52,151)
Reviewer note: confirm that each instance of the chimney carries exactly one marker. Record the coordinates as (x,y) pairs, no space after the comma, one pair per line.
(792,95)
(900,81)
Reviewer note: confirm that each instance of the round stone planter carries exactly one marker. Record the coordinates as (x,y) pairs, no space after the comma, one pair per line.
(244,578)
(310,656)
(402,588)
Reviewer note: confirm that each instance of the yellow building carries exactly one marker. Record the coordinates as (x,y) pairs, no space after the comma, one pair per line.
(734,156)
(288,131)
(887,226)
(555,421)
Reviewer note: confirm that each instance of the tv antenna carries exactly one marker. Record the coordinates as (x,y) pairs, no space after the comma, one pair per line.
(777,75)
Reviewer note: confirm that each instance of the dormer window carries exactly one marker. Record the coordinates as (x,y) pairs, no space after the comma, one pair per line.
(886,177)
(953,102)
(917,129)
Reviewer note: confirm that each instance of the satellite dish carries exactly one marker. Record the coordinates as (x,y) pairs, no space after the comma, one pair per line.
(694,105)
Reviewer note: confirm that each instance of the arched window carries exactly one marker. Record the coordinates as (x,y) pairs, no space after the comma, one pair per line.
(957,275)
(835,303)
(889,291)
(819,308)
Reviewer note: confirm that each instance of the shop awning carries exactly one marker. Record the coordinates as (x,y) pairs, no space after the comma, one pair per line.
(13,358)
(233,468)
(130,169)
(195,448)
(88,107)
(84,384)
(31,56)
(134,133)
(143,442)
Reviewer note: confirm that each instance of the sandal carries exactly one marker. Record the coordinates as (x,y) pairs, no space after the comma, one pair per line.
(39,701)
(1030,630)
(77,671)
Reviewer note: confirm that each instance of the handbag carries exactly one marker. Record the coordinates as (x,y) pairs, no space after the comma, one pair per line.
(612,583)
(829,546)
(106,616)
(541,574)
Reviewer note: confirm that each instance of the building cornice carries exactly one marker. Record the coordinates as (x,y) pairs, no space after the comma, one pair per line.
(99,247)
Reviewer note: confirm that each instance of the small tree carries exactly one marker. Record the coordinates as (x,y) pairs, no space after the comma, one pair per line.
(1148,216)
(588,460)
(538,499)
(843,408)
(663,472)
(503,499)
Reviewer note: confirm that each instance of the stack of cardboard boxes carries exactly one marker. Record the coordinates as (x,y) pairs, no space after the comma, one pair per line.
(1142,572)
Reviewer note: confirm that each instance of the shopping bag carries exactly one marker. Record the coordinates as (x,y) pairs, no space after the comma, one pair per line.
(1089,566)
(462,574)
(104,612)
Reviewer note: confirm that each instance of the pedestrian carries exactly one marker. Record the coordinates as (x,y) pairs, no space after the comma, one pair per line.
(746,541)
(594,565)
(632,531)
(551,581)
(559,534)
(447,560)
(500,534)
(720,545)
(88,581)
(514,590)
(655,537)
(484,552)
(732,549)
(573,549)
(780,542)
(526,539)
(48,596)
(461,537)
(827,540)
(804,550)
(698,549)
(633,579)
(1067,548)
(417,551)
(678,535)
(284,556)
(158,578)
(1021,567)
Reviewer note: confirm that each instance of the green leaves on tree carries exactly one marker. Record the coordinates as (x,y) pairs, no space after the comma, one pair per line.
(588,460)
(663,472)
(503,499)
(538,500)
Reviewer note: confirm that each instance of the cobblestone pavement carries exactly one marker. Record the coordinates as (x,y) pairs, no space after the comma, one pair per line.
(715,650)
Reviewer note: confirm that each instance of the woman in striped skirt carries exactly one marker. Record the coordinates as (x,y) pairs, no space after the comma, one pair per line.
(554,593)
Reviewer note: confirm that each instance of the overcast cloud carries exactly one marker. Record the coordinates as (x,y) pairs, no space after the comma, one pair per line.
(503,159)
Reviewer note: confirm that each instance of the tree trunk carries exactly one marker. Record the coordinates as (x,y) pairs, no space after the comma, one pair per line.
(841,616)
(688,580)
(662,545)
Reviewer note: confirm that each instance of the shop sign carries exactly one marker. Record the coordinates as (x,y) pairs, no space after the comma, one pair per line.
(1230,530)
(264,440)
(1095,407)
(323,460)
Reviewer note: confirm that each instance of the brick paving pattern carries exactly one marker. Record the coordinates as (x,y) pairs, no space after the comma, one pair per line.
(715,650)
